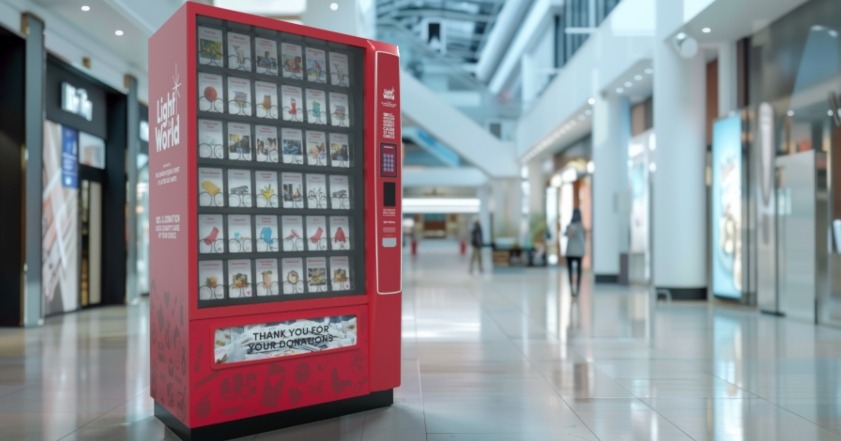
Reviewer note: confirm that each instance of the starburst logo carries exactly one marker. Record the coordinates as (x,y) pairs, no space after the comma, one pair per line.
(168,122)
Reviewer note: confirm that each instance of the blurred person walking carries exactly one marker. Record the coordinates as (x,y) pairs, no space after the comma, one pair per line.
(476,243)
(575,249)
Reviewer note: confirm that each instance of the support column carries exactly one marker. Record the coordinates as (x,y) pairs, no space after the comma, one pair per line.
(486,203)
(507,208)
(36,75)
(132,148)
(679,192)
(727,79)
(611,132)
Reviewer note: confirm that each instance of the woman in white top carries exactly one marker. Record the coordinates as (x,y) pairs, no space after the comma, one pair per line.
(575,249)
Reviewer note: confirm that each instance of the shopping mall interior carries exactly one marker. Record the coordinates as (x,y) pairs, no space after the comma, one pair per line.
(496,220)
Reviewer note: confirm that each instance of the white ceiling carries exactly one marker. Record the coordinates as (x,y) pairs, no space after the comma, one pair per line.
(731,20)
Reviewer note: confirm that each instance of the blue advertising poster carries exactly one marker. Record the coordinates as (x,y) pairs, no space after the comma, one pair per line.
(69,158)
(727,208)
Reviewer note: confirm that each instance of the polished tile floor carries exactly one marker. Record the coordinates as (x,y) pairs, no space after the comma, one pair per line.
(507,356)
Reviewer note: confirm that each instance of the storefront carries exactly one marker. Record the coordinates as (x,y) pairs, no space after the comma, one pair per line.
(570,189)
(84,193)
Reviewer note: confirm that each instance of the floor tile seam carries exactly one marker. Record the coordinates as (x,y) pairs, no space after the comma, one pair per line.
(103,414)
(798,415)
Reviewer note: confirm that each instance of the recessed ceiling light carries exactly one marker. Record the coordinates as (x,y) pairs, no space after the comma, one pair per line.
(591,101)
(681,36)
(619,90)
(86,8)
(588,112)
(638,77)
(334,6)
(706,30)
(628,84)
(649,71)
(119,32)
(790,113)
(830,113)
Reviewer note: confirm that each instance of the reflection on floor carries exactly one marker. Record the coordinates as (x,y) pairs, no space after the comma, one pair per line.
(506,356)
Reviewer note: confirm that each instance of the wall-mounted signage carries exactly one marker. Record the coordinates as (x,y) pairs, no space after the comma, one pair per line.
(75,100)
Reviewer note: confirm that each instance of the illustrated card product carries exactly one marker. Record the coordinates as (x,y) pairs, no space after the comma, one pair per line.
(239,233)
(339,110)
(211,141)
(292,190)
(293,275)
(239,279)
(211,234)
(239,96)
(266,185)
(316,233)
(239,188)
(316,65)
(292,146)
(316,148)
(239,51)
(292,233)
(210,187)
(239,141)
(265,52)
(211,93)
(293,104)
(316,191)
(267,233)
(292,61)
(266,144)
(339,233)
(339,150)
(210,46)
(316,274)
(340,273)
(316,106)
(266,99)
(339,192)
(268,277)
(211,280)
(339,75)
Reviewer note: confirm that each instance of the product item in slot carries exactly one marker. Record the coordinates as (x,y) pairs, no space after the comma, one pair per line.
(211,93)
(211,139)
(210,46)
(293,275)
(239,96)
(266,184)
(292,190)
(339,150)
(239,51)
(239,233)
(339,233)
(268,277)
(239,141)
(239,279)
(266,94)
(316,65)
(211,280)
(292,61)
(210,187)
(266,55)
(340,273)
(292,148)
(293,104)
(339,110)
(239,188)
(339,192)
(267,237)
(339,75)
(292,233)
(316,191)
(316,233)
(316,106)
(316,148)
(317,274)
(211,234)
(266,145)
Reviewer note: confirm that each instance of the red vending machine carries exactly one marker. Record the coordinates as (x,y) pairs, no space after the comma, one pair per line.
(275,201)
